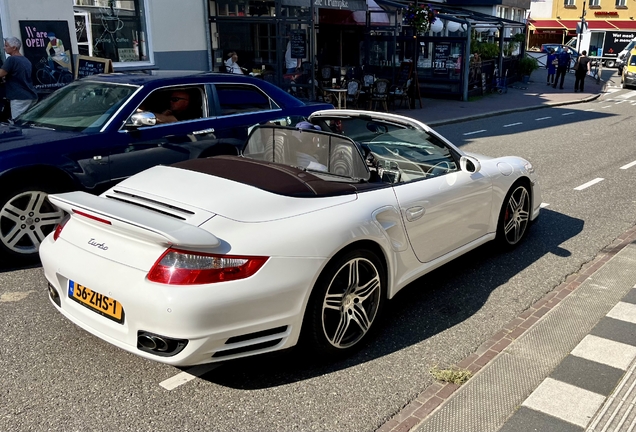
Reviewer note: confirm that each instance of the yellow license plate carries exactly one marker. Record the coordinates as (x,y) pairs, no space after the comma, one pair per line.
(106,306)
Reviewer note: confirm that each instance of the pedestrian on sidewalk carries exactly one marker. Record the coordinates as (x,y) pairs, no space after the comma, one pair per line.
(581,69)
(551,65)
(17,71)
(563,67)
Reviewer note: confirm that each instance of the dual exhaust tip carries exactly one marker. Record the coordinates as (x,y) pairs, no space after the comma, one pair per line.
(159,345)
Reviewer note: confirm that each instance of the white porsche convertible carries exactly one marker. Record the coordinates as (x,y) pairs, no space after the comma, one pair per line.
(305,236)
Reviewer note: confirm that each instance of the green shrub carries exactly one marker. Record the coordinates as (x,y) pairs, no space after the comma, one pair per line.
(527,65)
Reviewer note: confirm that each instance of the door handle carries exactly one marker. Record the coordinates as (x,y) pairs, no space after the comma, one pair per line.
(203,132)
(414,213)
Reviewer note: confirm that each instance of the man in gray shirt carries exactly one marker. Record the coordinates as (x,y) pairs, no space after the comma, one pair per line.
(17,71)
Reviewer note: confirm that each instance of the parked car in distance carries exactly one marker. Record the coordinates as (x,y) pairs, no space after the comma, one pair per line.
(628,76)
(305,236)
(623,56)
(102,129)
(542,55)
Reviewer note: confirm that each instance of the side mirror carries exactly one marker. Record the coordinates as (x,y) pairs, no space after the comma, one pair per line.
(143,118)
(469,164)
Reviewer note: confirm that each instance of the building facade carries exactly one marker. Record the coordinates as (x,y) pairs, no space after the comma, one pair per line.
(556,21)
(133,34)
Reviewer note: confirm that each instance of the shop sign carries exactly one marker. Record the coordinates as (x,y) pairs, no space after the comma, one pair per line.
(352,5)
(47,46)
(606,13)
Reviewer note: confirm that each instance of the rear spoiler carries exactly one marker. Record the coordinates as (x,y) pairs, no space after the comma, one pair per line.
(141,222)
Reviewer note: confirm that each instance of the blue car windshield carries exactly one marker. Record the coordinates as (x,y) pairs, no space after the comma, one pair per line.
(78,106)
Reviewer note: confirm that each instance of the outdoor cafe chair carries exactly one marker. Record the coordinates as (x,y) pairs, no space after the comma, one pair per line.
(401,93)
(379,93)
(353,92)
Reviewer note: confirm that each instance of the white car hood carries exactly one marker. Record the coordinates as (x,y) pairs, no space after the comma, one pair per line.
(220,196)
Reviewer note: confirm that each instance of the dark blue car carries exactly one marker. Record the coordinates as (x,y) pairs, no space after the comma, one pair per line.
(102,129)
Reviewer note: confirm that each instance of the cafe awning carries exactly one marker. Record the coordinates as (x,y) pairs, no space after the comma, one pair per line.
(591,25)
(623,24)
(547,24)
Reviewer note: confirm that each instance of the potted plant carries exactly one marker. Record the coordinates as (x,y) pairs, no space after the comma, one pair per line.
(526,66)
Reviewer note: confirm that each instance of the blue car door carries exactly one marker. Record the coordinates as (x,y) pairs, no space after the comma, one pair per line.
(238,106)
(170,140)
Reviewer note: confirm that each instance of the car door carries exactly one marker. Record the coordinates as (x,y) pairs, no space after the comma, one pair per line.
(446,208)
(239,106)
(139,148)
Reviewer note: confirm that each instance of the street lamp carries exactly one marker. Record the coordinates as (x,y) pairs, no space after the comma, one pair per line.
(581,29)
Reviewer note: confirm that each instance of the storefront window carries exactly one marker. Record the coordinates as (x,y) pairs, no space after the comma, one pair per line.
(113,29)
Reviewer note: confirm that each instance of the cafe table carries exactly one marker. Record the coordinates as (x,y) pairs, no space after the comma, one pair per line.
(338,93)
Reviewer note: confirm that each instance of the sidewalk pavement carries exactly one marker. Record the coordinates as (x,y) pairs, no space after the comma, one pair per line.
(566,364)
(519,97)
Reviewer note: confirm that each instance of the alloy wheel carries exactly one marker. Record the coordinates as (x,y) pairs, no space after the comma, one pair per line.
(516,215)
(26,219)
(351,302)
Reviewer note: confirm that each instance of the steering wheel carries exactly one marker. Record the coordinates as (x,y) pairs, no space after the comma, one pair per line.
(439,168)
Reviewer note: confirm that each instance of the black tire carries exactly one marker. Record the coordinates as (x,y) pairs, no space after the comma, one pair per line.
(43,77)
(514,216)
(26,218)
(610,63)
(66,77)
(343,307)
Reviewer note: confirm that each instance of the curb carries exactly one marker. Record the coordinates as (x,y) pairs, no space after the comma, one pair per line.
(437,394)
(513,110)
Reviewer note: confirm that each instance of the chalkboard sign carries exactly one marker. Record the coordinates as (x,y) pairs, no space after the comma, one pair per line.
(404,73)
(298,44)
(86,66)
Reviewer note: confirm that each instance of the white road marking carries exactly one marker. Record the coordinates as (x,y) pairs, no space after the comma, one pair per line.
(628,95)
(590,109)
(475,132)
(544,205)
(184,377)
(629,165)
(543,118)
(513,124)
(565,401)
(588,184)
(606,106)
(568,113)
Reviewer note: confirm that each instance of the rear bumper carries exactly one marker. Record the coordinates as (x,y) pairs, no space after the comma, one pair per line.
(207,316)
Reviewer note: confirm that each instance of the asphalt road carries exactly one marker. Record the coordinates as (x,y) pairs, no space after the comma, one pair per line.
(54,376)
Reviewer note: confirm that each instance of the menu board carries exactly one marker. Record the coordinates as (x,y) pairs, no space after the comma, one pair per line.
(404,73)
(298,44)
(86,66)
(441,55)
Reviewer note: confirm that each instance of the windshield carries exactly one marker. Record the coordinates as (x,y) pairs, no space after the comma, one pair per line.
(78,106)
(396,152)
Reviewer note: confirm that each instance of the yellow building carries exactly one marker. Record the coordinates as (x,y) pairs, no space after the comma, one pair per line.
(556,22)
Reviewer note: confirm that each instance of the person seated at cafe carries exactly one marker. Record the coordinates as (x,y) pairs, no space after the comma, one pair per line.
(232,65)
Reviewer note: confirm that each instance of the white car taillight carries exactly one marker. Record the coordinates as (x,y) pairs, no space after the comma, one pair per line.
(181,267)
(59,227)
